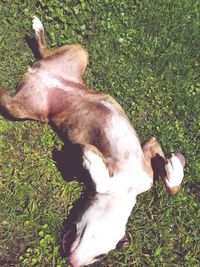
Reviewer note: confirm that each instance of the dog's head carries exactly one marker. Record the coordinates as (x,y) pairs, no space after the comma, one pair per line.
(99,230)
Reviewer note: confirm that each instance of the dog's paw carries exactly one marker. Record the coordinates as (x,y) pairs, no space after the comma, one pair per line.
(174,171)
(97,170)
(37,25)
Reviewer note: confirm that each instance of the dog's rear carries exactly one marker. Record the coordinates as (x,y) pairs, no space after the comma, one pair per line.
(120,169)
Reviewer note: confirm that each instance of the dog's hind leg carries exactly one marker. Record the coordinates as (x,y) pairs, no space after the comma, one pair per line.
(95,163)
(72,58)
(16,107)
(40,38)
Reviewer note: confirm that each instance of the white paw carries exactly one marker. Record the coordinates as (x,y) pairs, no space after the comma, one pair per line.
(86,161)
(92,159)
(174,170)
(98,171)
(37,25)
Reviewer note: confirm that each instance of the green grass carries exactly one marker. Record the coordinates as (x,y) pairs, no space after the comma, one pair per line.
(145,54)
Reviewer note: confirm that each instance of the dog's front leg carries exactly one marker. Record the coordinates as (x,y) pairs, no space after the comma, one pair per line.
(170,169)
(98,168)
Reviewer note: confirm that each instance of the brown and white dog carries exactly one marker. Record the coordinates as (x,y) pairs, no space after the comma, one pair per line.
(120,168)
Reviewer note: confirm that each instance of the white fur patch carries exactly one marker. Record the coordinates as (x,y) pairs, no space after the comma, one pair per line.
(98,171)
(174,170)
(37,25)
(123,137)
(51,82)
(43,80)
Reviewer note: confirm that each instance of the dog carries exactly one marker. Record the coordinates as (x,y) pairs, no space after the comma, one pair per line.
(120,167)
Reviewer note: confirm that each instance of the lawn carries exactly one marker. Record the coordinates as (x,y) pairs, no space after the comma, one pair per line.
(144,53)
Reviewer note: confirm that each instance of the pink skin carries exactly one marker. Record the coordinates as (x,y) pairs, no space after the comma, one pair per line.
(47,90)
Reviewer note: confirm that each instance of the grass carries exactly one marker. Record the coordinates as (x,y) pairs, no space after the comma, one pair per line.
(146,55)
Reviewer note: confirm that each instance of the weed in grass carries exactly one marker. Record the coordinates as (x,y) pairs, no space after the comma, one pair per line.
(46,254)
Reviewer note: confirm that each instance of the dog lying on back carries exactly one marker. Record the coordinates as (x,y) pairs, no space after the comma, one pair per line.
(120,168)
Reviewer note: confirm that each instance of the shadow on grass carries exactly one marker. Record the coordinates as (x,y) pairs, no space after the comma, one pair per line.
(32,44)
(69,163)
